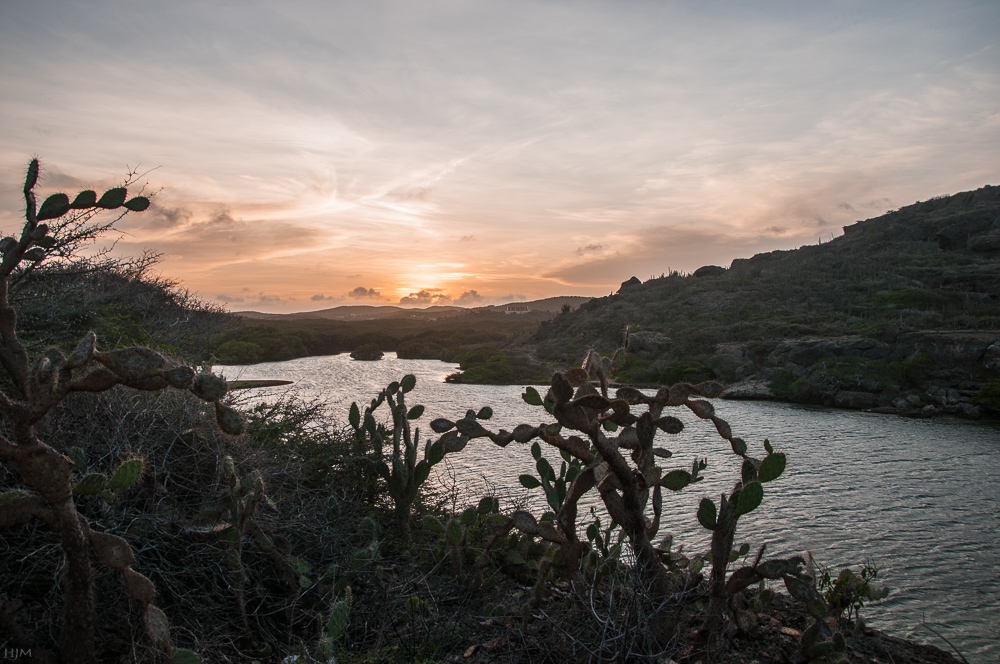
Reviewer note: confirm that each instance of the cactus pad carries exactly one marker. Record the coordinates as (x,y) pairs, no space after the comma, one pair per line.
(749,498)
(441,425)
(180,377)
(111,551)
(31,178)
(676,480)
(209,387)
(137,204)
(34,255)
(229,420)
(112,198)
(91,485)
(433,524)
(54,206)
(85,199)
(771,467)
(707,514)
(138,586)
(125,475)
(133,363)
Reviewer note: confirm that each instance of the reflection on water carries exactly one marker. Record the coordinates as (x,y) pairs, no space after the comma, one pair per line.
(920,497)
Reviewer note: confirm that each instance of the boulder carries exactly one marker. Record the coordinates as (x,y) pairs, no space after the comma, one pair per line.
(748,390)
(991,357)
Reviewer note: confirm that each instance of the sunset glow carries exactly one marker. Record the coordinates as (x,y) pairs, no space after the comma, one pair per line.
(312,154)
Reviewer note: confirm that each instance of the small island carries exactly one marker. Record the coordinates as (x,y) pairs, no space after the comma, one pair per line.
(367,352)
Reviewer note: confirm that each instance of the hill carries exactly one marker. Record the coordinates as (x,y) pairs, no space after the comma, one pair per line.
(903,310)
(379,312)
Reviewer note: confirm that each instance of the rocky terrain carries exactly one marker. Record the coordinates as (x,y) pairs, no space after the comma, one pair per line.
(899,314)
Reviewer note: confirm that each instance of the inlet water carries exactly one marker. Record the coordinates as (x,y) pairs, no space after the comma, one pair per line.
(920,498)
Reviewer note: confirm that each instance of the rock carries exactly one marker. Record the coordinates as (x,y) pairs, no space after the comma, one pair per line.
(855,400)
(888,395)
(991,357)
(946,348)
(634,281)
(748,390)
(900,403)
(805,352)
(968,411)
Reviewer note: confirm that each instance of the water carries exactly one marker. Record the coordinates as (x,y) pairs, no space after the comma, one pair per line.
(919,497)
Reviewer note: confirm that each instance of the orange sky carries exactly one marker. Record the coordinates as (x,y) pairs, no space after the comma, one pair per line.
(317,154)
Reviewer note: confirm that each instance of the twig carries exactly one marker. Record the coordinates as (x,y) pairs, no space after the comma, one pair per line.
(941,636)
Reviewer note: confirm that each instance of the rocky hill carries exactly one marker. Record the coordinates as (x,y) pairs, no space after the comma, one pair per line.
(902,313)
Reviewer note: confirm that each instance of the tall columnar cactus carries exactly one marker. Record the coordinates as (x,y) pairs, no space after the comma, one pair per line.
(403,472)
(39,386)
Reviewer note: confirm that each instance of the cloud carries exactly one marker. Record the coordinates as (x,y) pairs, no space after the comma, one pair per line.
(777,230)
(362,293)
(425,297)
(260,298)
(590,248)
(469,297)
(403,194)
(319,297)
(161,216)
(658,250)
(467,238)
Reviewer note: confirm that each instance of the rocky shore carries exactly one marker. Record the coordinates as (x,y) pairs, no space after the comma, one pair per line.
(915,374)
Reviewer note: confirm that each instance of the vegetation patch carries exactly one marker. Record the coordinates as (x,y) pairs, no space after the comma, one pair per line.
(490,365)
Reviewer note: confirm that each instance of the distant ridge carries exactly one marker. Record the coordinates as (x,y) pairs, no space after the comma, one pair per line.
(350,312)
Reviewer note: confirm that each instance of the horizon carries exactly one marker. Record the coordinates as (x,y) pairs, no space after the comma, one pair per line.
(305,156)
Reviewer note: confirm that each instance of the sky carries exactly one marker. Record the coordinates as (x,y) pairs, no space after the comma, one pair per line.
(305,155)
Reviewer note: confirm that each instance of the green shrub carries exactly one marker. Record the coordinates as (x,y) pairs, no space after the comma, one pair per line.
(988,397)
(686,371)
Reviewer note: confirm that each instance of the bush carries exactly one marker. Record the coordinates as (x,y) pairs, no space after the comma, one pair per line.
(988,397)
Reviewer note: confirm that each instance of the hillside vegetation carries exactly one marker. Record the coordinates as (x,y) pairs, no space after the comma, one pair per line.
(909,301)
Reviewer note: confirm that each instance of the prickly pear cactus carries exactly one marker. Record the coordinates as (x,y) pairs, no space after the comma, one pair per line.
(402,471)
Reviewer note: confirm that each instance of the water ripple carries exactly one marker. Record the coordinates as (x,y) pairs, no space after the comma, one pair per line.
(919,497)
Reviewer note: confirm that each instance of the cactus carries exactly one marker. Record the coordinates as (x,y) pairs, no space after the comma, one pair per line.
(745,497)
(94,484)
(459,532)
(403,473)
(40,386)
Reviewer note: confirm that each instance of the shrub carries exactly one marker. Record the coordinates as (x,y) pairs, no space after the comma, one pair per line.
(988,397)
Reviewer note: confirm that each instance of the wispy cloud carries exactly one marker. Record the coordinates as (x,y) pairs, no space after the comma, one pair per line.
(547,148)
